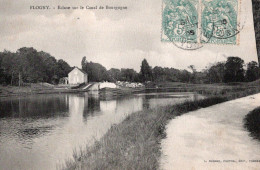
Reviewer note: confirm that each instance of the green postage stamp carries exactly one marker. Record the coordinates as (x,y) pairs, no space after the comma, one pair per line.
(180,21)
(200,21)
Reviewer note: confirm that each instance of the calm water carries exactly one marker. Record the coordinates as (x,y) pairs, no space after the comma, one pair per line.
(42,131)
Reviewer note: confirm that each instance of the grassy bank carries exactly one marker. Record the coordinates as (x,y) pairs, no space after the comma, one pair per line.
(6,91)
(240,89)
(252,123)
(135,143)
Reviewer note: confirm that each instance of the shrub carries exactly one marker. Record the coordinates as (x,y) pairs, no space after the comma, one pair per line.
(252,123)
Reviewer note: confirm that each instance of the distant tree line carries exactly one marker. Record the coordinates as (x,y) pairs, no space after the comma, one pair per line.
(232,70)
(27,65)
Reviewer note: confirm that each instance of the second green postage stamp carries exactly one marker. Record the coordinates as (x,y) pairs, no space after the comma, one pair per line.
(219,21)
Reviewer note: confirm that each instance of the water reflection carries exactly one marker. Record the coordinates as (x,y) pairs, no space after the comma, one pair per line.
(34,106)
(42,131)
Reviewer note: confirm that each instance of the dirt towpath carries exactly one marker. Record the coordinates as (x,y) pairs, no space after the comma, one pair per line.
(212,138)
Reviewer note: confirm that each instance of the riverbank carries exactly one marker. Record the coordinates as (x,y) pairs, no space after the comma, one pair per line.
(6,91)
(109,93)
(135,143)
(203,89)
(212,138)
(252,123)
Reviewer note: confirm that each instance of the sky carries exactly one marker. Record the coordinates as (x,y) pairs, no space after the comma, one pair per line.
(114,38)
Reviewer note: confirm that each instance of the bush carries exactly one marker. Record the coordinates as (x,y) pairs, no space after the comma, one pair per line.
(252,123)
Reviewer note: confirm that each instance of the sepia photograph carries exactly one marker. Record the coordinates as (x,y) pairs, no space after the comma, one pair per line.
(129,85)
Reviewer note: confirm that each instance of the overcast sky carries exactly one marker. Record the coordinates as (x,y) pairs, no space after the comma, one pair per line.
(119,39)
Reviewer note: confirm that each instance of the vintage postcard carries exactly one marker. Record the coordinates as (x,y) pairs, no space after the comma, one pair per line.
(123,84)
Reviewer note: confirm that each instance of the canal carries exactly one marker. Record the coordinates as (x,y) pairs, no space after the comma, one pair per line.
(43,131)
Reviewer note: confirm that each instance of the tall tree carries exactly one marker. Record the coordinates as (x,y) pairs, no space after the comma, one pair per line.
(252,72)
(83,62)
(234,71)
(194,72)
(146,71)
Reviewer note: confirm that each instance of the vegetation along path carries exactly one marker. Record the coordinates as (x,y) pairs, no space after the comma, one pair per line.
(212,138)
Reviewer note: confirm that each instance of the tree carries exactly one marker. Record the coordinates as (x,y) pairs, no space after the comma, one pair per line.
(159,74)
(2,72)
(171,74)
(96,72)
(234,71)
(146,71)
(9,67)
(63,68)
(30,66)
(115,74)
(83,62)
(184,76)
(166,74)
(215,73)
(50,69)
(194,72)
(252,72)
(129,75)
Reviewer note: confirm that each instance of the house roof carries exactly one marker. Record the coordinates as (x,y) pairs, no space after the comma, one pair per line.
(79,70)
